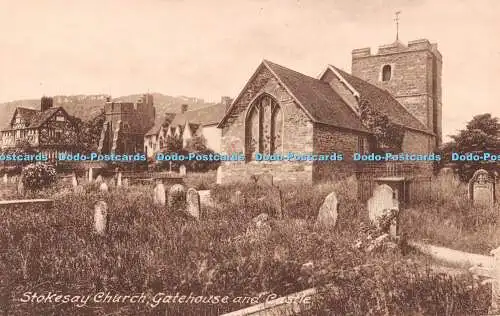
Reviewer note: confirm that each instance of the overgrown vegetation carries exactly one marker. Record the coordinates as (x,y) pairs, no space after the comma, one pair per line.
(149,250)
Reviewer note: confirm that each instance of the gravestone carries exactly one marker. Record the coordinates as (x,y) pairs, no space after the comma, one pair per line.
(119,180)
(381,200)
(176,197)
(103,187)
(90,175)
(101,218)
(206,198)
(126,182)
(327,215)
(78,189)
(182,170)
(481,189)
(265,179)
(98,179)
(219,175)
(193,203)
(159,194)
(5,178)
(20,187)
(74,181)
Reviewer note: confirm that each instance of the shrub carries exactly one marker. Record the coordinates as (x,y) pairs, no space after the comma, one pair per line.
(38,176)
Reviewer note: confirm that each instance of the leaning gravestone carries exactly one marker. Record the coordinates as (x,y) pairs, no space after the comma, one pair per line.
(20,187)
(159,194)
(193,203)
(90,175)
(182,170)
(74,181)
(119,179)
(328,214)
(98,179)
(482,189)
(219,175)
(101,219)
(381,200)
(176,197)
(103,187)
(265,179)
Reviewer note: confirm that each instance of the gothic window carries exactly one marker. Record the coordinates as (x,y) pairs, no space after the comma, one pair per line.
(386,73)
(263,128)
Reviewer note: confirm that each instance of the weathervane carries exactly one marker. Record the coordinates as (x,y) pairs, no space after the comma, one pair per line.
(397,24)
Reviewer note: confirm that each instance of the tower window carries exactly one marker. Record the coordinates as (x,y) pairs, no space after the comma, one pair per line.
(386,73)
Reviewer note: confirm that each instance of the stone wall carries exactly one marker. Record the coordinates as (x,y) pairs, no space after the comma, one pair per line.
(417,142)
(297,131)
(329,139)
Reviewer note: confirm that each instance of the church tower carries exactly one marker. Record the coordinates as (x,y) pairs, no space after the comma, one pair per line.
(411,73)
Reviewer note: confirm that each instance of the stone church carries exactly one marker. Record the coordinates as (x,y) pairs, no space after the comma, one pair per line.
(280,111)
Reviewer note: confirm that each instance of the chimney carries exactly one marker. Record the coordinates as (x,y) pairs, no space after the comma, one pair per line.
(226,101)
(46,103)
(184,108)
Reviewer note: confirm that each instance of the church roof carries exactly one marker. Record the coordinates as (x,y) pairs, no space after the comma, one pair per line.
(317,98)
(384,102)
(325,106)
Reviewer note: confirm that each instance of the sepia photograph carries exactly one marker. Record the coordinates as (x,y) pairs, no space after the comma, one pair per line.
(249,157)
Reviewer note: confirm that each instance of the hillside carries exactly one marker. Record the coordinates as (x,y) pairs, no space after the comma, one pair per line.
(87,106)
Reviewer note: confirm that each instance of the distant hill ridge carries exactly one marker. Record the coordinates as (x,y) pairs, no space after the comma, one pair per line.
(88,106)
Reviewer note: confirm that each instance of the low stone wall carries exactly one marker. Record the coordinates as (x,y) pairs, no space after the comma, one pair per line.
(281,171)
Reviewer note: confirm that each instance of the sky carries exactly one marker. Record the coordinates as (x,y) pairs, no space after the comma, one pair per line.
(210,48)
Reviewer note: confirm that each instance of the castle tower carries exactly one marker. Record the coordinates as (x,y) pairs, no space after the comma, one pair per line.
(411,73)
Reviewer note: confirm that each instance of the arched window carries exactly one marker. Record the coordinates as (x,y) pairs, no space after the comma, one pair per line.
(386,73)
(264,125)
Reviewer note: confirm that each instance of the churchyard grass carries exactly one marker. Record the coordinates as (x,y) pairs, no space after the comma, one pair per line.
(449,219)
(148,250)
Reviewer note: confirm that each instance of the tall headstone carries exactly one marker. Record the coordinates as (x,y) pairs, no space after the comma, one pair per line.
(327,215)
(126,182)
(182,170)
(99,179)
(101,218)
(193,203)
(103,187)
(119,179)
(482,189)
(90,175)
(20,186)
(159,194)
(5,178)
(219,175)
(381,200)
(74,181)
(176,197)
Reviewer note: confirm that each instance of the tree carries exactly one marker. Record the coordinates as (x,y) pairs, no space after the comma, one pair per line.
(388,136)
(89,132)
(479,136)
